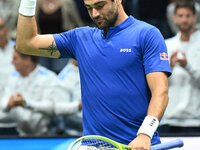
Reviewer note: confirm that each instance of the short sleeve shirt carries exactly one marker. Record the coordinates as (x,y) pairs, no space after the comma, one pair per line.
(113,69)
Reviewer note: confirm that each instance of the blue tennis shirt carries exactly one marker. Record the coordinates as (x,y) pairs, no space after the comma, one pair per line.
(115,94)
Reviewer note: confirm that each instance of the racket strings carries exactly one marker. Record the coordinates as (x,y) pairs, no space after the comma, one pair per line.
(93,144)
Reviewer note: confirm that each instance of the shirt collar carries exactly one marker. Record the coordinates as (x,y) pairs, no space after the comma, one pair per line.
(129,21)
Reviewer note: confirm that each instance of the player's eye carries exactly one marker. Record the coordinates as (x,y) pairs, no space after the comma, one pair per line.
(89,8)
(99,6)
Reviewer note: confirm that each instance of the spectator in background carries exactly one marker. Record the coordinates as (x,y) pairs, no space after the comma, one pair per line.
(154,12)
(69,109)
(183,113)
(198,1)
(29,94)
(7,123)
(170,12)
(9,8)
(6,52)
(55,16)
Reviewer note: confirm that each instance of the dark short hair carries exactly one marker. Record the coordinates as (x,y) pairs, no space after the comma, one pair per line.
(34,59)
(185,4)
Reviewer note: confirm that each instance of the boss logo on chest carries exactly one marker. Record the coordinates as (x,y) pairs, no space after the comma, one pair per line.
(125,50)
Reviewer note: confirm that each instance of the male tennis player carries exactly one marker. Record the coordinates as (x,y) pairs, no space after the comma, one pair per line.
(123,69)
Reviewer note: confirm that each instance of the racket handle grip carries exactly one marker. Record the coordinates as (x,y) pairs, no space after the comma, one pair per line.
(168,145)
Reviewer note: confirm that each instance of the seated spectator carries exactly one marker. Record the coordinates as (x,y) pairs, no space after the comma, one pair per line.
(29,94)
(183,113)
(170,12)
(69,109)
(7,124)
(6,52)
(10,16)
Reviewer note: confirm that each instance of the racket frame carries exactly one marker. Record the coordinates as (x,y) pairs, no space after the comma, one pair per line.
(118,145)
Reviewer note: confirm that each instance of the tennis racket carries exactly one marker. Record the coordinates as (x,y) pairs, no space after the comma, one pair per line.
(94,142)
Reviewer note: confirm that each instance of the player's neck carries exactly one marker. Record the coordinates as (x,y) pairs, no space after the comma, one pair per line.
(122,16)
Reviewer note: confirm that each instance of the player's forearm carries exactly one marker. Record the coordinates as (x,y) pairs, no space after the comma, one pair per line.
(26,32)
(158,85)
(155,112)
(158,104)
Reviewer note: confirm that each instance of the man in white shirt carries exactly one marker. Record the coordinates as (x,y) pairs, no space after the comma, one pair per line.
(183,113)
(7,125)
(6,52)
(170,12)
(69,107)
(30,95)
(10,16)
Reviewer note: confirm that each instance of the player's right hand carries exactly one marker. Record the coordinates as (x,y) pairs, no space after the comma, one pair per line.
(141,142)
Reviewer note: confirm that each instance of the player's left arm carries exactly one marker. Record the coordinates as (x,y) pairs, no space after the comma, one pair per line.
(158,84)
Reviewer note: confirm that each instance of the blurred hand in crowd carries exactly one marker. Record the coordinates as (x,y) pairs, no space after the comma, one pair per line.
(80,106)
(178,57)
(182,61)
(16,100)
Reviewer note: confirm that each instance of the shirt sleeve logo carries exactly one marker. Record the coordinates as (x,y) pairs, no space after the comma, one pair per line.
(163,56)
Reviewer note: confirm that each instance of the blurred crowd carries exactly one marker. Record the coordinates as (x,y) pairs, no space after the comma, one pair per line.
(42,96)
